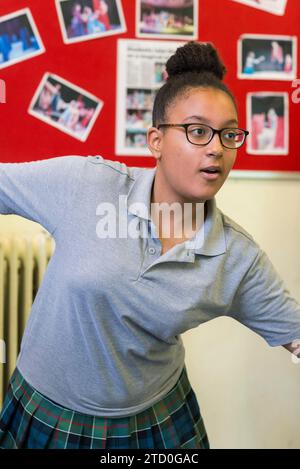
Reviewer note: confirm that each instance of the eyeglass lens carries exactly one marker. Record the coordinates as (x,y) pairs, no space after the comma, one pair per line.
(201,134)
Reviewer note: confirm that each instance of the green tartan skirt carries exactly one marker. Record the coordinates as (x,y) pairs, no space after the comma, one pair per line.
(30,420)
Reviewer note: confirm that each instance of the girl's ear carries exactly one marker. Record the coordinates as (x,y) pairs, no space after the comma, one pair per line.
(154,142)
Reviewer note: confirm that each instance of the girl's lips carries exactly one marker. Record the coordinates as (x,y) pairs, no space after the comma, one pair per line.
(210,176)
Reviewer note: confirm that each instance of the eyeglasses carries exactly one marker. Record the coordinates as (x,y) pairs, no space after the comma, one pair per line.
(201,134)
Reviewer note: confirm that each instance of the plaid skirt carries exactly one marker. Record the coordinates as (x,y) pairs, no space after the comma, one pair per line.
(31,420)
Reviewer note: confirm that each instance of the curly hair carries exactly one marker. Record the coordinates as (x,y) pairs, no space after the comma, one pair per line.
(194,65)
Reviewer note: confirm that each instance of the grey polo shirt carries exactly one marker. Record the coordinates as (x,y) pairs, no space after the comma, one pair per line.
(104,333)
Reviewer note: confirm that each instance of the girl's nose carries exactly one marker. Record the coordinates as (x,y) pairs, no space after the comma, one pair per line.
(215,146)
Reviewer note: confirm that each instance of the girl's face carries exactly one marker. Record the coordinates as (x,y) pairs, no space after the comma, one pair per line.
(179,162)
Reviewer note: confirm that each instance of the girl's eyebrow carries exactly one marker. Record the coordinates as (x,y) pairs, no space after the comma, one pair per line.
(203,119)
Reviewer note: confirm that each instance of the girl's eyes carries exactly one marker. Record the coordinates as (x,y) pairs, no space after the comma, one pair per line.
(198,131)
(236,136)
(230,135)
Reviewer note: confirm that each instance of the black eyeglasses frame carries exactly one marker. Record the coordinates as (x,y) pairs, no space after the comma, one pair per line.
(214,131)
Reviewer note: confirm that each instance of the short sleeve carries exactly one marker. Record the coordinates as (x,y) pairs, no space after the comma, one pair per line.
(39,190)
(264,304)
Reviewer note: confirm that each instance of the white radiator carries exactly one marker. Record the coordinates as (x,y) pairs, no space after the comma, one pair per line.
(23,261)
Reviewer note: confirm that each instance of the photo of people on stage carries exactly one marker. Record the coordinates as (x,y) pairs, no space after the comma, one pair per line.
(268,123)
(167,18)
(19,38)
(267,57)
(87,19)
(277,7)
(62,105)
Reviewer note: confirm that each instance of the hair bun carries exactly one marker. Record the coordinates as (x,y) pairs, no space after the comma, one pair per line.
(196,57)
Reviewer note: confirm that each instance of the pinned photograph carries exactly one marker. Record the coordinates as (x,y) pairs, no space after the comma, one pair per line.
(19,38)
(267,57)
(277,7)
(268,123)
(65,106)
(81,20)
(167,19)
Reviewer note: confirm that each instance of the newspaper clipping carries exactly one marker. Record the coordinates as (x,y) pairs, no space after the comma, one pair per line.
(141,72)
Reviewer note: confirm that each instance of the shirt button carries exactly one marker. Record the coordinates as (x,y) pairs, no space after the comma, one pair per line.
(152,251)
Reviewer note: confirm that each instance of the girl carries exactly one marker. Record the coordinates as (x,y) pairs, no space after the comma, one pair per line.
(77,26)
(92,24)
(101,13)
(251,62)
(102,361)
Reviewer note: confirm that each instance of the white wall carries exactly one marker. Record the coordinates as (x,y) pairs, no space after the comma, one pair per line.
(12,224)
(249,392)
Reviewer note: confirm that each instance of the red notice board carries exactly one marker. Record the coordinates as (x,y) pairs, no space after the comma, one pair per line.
(91,65)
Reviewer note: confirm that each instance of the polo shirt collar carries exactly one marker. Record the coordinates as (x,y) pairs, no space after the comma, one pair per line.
(138,204)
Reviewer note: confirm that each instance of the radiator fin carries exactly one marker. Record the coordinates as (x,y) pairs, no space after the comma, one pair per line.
(23,262)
